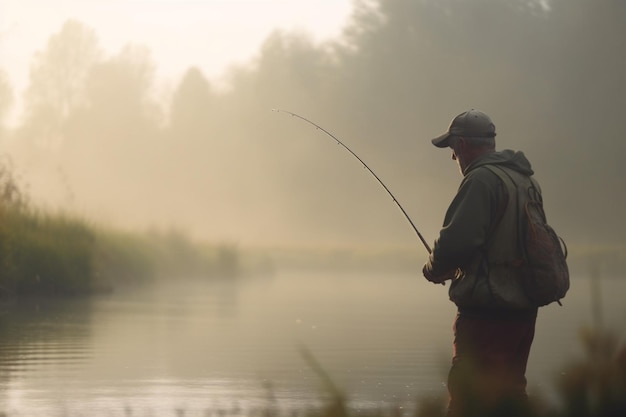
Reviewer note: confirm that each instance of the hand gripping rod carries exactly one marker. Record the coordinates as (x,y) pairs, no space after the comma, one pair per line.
(395,200)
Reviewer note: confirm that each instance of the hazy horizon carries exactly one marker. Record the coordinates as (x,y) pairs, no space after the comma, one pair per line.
(102,136)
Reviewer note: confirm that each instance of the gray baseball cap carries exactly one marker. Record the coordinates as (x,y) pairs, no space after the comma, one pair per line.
(469,124)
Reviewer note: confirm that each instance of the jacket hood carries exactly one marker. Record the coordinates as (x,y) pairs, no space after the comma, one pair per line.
(515,160)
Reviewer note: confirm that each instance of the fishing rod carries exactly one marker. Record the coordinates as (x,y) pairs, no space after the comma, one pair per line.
(395,200)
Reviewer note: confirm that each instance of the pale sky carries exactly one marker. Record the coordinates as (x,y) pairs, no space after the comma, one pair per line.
(210,34)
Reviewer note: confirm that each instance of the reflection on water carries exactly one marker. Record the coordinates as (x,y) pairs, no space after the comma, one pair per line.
(43,336)
(194,346)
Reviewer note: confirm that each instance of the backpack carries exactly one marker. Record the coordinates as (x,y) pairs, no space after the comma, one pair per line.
(543,254)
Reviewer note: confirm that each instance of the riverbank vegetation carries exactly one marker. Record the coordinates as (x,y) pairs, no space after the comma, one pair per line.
(57,254)
(45,253)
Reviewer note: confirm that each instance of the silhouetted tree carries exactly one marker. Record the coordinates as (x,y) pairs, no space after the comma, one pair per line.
(191,105)
(57,79)
(118,92)
(111,137)
(118,108)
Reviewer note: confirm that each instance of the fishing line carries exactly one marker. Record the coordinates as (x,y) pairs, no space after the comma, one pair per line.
(395,200)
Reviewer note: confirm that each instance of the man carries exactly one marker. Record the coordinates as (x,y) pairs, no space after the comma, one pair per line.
(476,249)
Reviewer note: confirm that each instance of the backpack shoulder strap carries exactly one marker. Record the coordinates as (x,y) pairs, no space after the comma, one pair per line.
(503,174)
(509,186)
(513,189)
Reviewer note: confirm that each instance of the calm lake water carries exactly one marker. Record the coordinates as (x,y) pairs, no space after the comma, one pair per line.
(192,346)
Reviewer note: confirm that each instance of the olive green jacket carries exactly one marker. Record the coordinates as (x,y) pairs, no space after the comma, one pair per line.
(473,215)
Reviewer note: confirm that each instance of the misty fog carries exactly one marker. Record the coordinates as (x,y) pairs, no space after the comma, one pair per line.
(100,136)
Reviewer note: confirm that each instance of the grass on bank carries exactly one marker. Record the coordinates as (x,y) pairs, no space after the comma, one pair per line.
(47,254)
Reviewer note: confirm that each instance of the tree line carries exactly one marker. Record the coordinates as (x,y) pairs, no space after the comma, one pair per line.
(215,159)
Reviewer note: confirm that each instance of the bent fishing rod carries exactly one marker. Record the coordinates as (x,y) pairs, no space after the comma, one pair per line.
(395,200)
